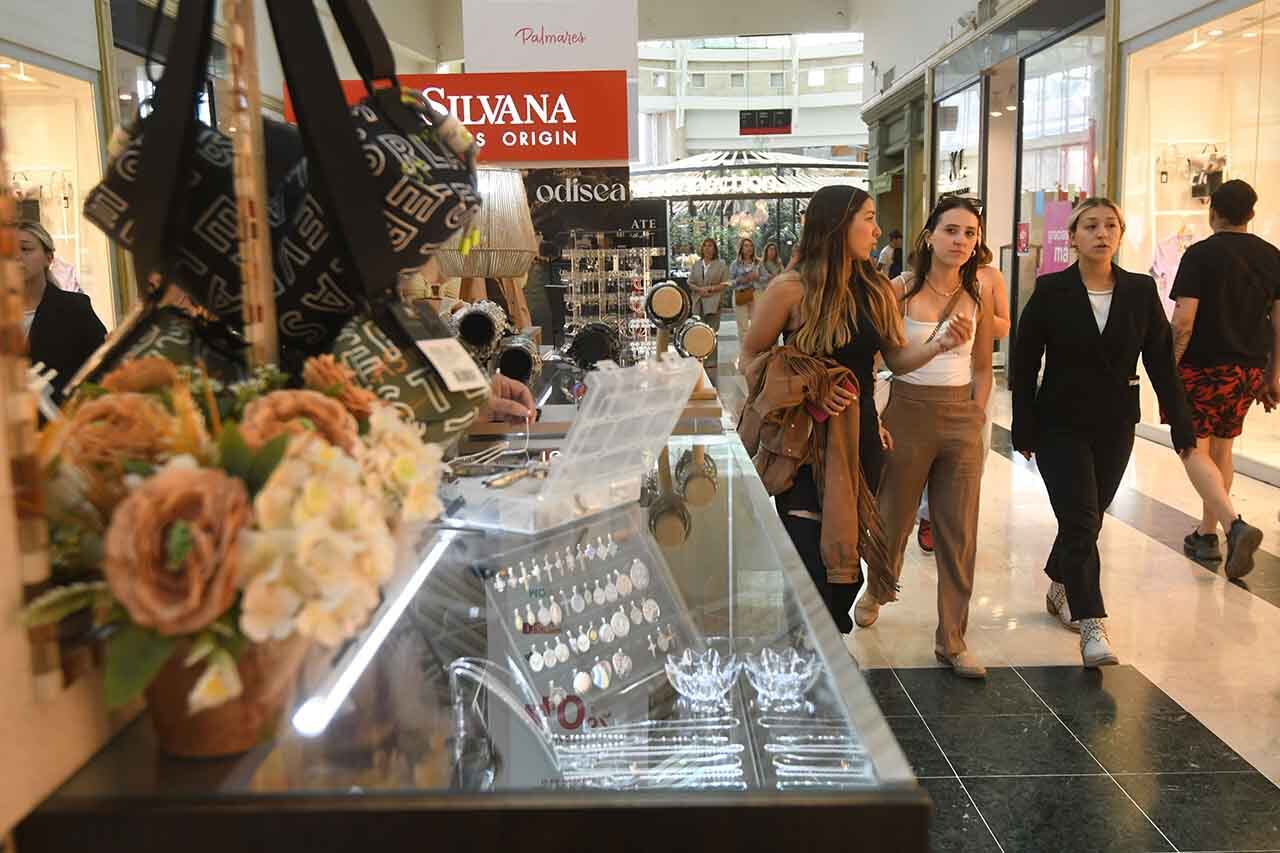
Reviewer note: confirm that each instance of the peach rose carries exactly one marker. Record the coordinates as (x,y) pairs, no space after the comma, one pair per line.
(111,430)
(298,413)
(326,374)
(172,547)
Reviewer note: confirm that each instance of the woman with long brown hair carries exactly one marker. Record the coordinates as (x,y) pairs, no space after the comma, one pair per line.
(708,280)
(835,304)
(936,415)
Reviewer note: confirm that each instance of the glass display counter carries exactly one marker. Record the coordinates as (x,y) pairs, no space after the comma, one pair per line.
(660,676)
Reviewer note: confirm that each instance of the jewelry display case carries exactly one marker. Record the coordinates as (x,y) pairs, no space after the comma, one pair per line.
(615,682)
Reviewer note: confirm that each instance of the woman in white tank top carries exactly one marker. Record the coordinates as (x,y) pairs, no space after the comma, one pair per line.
(935,416)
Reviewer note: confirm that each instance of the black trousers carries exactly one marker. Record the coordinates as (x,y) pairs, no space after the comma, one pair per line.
(806,533)
(1081,472)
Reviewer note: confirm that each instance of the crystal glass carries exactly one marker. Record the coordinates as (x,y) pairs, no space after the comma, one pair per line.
(703,678)
(781,679)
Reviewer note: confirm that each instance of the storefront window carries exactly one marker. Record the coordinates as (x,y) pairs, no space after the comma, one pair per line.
(958,120)
(54,148)
(1201,108)
(1063,134)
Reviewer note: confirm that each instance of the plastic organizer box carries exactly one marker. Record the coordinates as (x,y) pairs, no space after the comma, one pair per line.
(624,421)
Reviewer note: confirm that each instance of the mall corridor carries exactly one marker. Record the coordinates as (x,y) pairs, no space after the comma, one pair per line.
(1178,748)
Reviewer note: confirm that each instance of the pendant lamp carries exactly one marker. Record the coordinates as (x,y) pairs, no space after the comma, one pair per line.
(506,246)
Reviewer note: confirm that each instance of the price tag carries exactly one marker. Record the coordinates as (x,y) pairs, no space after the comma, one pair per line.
(457,368)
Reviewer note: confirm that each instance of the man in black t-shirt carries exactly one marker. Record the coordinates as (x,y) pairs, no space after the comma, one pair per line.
(1226,330)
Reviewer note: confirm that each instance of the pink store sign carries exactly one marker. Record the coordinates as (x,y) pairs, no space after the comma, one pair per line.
(1057,242)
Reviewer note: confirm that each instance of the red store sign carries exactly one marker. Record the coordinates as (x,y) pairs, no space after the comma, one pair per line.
(531,117)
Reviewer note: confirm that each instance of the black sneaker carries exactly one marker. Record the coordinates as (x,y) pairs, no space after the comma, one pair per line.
(1202,547)
(1243,540)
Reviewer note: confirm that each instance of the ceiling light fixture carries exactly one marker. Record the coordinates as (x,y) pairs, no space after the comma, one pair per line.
(1213,34)
(1248,35)
(5,66)
(125,96)
(1013,108)
(996,114)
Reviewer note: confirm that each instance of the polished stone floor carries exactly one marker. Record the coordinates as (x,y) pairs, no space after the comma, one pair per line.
(1177,749)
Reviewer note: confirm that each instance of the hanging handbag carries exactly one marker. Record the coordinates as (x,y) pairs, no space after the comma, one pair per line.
(406,356)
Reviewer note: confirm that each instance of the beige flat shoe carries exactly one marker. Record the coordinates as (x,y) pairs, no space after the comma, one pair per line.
(866,611)
(964,664)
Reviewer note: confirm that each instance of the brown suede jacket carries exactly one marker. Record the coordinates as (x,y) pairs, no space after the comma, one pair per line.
(780,435)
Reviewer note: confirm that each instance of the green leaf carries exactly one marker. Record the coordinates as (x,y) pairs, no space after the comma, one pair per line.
(233,454)
(177,545)
(137,466)
(135,656)
(57,604)
(265,462)
(91,391)
(204,645)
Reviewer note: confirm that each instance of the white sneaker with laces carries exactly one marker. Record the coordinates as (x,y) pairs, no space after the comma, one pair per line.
(1095,645)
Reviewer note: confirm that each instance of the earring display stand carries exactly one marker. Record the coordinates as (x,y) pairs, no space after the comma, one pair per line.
(587,615)
(608,283)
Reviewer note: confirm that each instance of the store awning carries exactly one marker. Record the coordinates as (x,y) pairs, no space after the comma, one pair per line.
(693,186)
(745,159)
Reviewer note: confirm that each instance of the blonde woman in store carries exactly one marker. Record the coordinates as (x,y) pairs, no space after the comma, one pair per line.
(744,272)
(835,304)
(936,416)
(708,280)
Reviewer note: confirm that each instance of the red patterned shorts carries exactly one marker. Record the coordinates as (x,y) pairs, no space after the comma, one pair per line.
(1220,397)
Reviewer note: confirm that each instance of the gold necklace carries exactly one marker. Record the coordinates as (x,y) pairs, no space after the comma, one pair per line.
(947,295)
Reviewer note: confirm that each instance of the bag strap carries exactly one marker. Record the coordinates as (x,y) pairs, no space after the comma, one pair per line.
(329,138)
(946,314)
(366,41)
(168,145)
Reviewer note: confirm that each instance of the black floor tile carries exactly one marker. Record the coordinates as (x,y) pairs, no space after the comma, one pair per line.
(940,692)
(1158,743)
(1064,814)
(889,694)
(920,748)
(1118,690)
(956,827)
(1211,811)
(1014,745)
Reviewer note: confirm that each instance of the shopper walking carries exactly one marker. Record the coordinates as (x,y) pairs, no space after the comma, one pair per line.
(936,415)
(890,261)
(1226,333)
(993,287)
(771,267)
(836,305)
(61,327)
(708,280)
(744,272)
(1088,324)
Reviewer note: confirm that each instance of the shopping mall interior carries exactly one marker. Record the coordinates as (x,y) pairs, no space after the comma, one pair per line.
(507,521)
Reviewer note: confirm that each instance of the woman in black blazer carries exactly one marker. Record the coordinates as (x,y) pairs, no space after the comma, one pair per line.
(1088,324)
(62,330)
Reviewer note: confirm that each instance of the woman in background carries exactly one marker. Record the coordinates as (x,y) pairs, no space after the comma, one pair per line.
(771,267)
(62,329)
(708,280)
(744,272)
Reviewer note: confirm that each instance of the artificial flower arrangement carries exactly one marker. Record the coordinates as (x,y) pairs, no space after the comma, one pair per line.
(203,526)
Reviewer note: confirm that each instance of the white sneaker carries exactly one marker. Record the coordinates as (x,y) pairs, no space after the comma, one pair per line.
(1095,645)
(1056,603)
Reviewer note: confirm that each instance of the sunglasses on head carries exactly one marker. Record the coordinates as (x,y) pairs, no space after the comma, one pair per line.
(976,203)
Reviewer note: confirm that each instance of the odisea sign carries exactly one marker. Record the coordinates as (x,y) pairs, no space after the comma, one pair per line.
(533,117)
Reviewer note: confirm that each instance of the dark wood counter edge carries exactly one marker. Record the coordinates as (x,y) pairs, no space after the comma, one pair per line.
(890,820)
